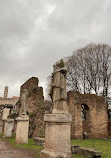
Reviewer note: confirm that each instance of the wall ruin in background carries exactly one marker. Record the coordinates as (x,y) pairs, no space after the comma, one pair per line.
(89,115)
(36,108)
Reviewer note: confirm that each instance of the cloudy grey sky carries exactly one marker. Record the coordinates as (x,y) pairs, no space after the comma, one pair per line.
(34,34)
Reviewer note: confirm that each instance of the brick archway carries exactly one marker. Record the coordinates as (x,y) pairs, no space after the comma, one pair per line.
(96,124)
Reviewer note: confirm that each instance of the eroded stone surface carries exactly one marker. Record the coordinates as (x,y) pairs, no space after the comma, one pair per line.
(88,152)
(39,141)
(57,124)
(95,125)
(35,107)
(58,87)
(74,149)
(23,109)
(22,129)
(8,127)
(6,112)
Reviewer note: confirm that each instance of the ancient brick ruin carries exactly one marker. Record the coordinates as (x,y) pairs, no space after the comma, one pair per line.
(109,128)
(89,115)
(35,108)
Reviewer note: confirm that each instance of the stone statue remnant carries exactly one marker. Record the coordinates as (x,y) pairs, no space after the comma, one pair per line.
(57,140)
(58,87)
(23,109)
(23,121)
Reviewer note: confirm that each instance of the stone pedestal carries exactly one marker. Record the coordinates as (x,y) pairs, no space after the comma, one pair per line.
(6,112)
(8,127)
(57,136)
(22,129)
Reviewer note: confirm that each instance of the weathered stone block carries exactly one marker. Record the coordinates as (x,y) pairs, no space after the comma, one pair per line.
(82,151)
(74,149)
(22,129)
(57,136)
(8,127)
(6,112)
(88,152)
(39,141)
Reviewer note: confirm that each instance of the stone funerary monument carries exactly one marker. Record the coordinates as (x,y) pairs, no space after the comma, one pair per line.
(57,127)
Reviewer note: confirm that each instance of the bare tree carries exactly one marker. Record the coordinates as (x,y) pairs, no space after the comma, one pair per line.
(89,69)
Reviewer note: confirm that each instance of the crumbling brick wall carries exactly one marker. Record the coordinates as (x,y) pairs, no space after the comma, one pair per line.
(96,121)
(36,108)
(109,128)
(32,82)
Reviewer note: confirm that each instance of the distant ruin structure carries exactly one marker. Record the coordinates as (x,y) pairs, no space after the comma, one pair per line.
(35,106)
(5,93)
(89,115)
(8,101)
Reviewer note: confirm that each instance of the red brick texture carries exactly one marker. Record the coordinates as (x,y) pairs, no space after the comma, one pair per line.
(96,123)
(36,108)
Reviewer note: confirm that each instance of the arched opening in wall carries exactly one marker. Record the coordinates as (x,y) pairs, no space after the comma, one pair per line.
(85,114)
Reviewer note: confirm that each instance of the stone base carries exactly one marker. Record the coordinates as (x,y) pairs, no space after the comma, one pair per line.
(8,128)
(50,154)
(22,129)
(57,136)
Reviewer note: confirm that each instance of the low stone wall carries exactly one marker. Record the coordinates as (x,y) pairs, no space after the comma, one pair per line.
(86,152)
(39,141)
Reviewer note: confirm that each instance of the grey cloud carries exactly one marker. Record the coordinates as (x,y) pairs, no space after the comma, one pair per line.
(34,34)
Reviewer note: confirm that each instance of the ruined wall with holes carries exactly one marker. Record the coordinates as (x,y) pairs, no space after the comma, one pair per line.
(36,108)
(95,125)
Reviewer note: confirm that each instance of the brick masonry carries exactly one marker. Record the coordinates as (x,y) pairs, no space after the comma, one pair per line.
(36,108)
(109,128)
(96,122)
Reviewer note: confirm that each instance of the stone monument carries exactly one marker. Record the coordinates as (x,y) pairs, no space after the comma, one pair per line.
(22,121)
(58,123)
(8,128)
(6,112)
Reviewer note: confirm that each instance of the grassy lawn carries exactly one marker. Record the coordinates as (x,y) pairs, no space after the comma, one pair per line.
(103,146)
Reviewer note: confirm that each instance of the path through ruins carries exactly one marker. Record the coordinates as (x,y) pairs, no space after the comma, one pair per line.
(8,151)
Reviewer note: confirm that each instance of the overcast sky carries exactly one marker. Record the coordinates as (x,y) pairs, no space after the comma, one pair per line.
(34,34)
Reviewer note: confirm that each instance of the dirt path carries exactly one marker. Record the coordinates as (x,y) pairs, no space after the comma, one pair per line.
(8,151)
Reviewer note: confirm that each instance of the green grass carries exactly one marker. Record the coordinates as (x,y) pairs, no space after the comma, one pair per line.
(103,146)
(30,145)
(77,156)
